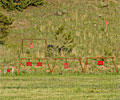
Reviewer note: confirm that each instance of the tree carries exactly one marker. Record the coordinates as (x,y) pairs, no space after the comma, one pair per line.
(5,23)
(19,4)
(63,43)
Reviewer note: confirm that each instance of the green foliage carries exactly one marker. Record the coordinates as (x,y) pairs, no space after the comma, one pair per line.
(5,22)
(62,43)
(19,4)
(63,39)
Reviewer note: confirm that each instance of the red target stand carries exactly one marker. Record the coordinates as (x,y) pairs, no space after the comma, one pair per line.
(31,44)
(38,64)
(66,64)
(100,62)
(8,70)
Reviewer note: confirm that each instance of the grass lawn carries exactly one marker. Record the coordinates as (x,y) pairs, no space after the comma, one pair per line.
(73,87)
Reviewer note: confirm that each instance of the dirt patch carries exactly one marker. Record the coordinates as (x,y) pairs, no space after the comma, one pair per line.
(56,3)
(20,24)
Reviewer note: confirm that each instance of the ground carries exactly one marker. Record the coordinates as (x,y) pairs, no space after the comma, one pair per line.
(54,87)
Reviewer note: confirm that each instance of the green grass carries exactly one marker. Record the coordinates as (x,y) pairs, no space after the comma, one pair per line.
(72,87)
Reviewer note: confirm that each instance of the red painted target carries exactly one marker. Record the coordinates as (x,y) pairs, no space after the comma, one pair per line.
(39,64)
(8,70)
(66,65)
(31,45)
(100,62)
(28,63)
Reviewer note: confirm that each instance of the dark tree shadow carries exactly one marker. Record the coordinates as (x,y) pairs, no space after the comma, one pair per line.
(2,42)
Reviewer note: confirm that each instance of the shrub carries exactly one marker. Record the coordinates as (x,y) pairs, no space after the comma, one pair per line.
(19,4)
(63,43)
(5,22)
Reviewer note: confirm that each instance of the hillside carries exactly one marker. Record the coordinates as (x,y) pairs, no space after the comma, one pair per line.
(85,19)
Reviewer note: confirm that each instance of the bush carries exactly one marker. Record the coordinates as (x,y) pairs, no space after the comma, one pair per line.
(5,22)
(19,4)
(63,43)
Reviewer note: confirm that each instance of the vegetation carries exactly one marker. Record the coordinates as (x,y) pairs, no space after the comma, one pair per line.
(19,4)
(85,20)
(5,23)
(73,28)
(72,87)
(63,43)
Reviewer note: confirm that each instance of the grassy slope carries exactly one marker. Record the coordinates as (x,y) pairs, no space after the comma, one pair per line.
(82,87)
(85,19)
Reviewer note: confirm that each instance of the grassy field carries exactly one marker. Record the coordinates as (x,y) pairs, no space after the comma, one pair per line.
(72,87)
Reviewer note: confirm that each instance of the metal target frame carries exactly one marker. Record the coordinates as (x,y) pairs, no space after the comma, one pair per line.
(55,59)
(21,59)
(22,49)
(113,60)
(30,39)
